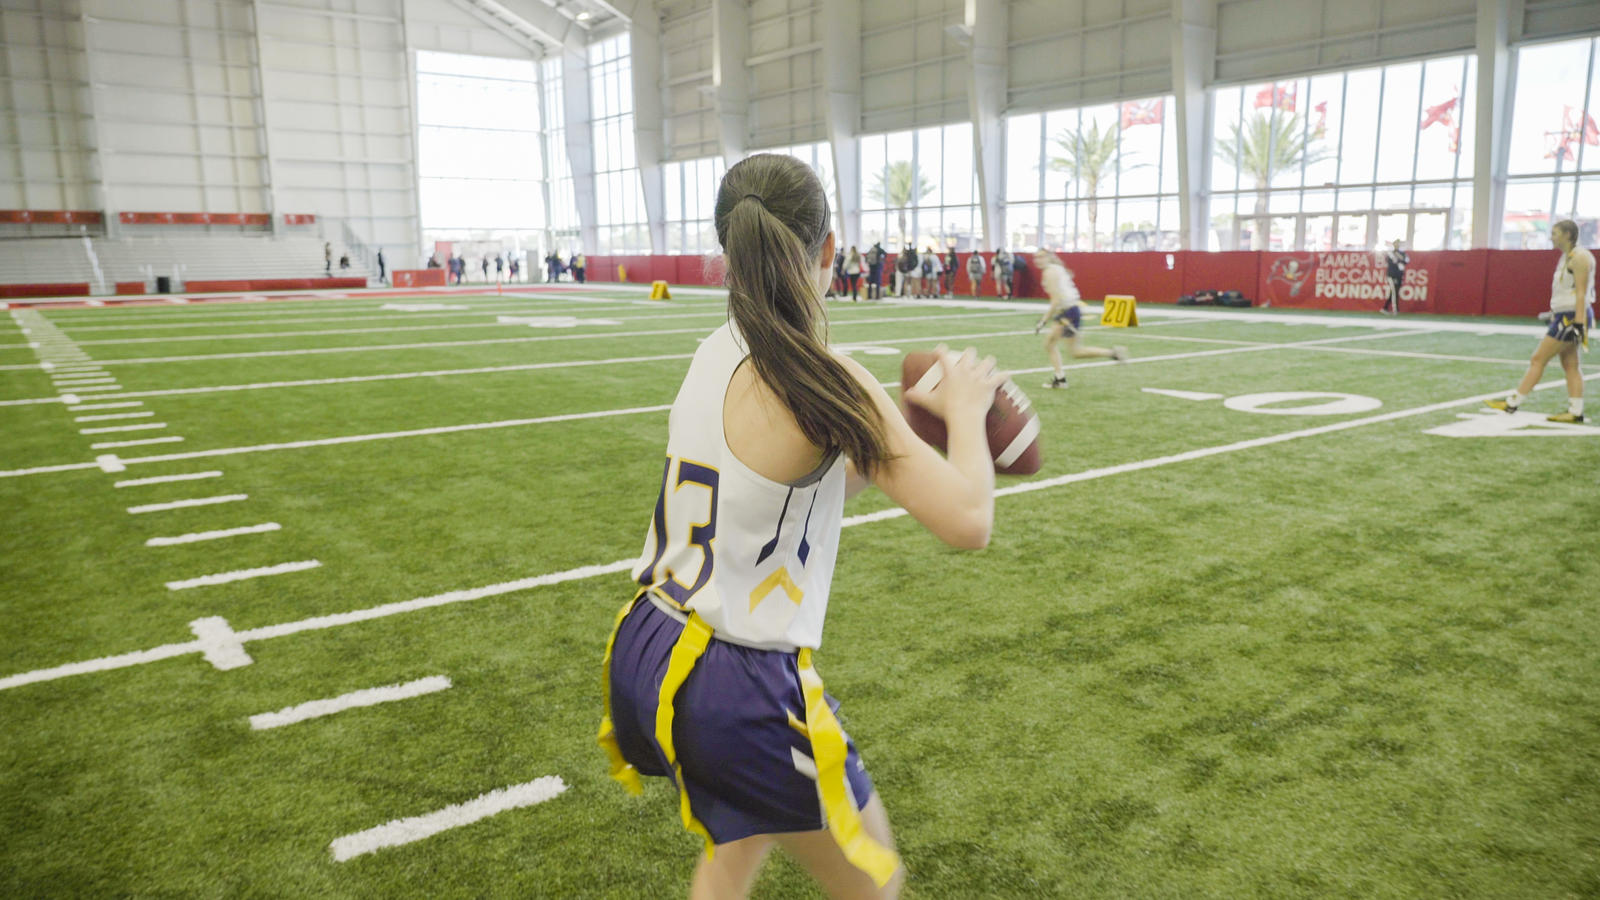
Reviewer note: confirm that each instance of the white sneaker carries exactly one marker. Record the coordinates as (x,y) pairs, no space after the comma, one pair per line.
(1119,353)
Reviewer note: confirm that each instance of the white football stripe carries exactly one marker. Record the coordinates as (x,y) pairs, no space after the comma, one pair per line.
(368,697)
(112,445)
(109,429)
(110,416)
(1019,443)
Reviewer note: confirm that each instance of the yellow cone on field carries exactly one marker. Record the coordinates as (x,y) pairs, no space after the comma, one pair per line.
(660,291)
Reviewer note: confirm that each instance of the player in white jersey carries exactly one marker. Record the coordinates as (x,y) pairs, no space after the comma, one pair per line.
(709,679)
(1065,316)
(1571,316)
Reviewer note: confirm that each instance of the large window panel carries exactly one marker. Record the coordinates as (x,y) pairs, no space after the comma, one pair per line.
(480,154)
(1343,158)
(1555,142)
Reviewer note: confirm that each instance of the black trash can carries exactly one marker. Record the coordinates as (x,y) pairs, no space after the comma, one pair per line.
(163,284)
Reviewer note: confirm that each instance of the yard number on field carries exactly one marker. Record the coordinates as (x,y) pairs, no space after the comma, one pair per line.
(1120,311)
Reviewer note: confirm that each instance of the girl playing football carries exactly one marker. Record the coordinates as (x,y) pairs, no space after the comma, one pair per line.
(709,679)
(1065,316)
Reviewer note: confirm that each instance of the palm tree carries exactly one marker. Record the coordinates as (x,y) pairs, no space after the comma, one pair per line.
(1088,157)
(896,187)
(1263,146)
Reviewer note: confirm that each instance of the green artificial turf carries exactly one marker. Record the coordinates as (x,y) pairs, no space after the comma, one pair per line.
(1356,663)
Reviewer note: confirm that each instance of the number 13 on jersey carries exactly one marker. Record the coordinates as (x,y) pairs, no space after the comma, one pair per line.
(702,533)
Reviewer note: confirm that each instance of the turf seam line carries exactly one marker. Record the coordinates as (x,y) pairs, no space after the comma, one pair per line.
(242,575)
(163,479)
(415,828)
(314,709)
(212,535)
(184,504)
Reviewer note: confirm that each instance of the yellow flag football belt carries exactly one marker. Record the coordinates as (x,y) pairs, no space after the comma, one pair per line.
(828,749)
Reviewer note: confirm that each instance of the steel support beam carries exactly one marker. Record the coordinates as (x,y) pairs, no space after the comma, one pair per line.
(1491,141)
(1194,52)
(729,77)
(841,65)
(646,68)
(986,25)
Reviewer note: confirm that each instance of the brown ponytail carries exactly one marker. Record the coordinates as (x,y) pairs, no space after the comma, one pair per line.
(772,219)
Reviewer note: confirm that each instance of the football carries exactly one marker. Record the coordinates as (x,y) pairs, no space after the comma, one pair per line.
(1012,425)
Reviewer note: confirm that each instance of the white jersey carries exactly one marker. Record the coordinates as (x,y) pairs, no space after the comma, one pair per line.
(1060,288)
(754,557)
(1563,289)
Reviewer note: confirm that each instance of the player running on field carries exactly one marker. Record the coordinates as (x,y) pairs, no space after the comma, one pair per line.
(1571,315)
(1065,316)
(708,670)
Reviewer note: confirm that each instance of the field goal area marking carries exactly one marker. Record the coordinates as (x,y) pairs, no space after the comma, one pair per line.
(224,648)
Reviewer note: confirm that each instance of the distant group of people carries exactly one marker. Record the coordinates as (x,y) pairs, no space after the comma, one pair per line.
(925,274)
(555,266)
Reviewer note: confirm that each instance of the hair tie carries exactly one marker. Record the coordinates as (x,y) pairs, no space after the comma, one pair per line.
(758,198)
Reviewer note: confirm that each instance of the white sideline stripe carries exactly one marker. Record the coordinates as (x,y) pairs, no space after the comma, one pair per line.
(86,379)
(184,504)
(424,345)
(211,535)
(329,310)
(369,697)
(242,575)
(95,389)
(415,828)
(167,651)
(163,479)
(109,405)
(109,416)
(108,429)
(112,445)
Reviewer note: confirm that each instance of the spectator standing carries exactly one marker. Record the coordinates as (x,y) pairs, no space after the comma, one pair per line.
(1002,272)
(852,273)
(486,267)
(904,269)
(875,257)
(382,275)
(579,264)
(838,273)
(1019,265)
(952,264)
(327,257)
(499,266)
(344,262)
(1397,260)
(975,270)
(513,266)
(932,268)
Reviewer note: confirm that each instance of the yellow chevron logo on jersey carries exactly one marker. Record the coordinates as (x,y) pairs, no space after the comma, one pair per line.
(778,579)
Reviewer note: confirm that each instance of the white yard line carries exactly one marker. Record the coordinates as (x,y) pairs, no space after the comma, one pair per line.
(569,417)
(185,504)
(314,709)
(165,479)
(109,429)
(415,828)
(198,536)
(262,335)
(126,405)
(1411,355)
(236,640)
(112,445)
(426,345)
(242,575)
(110,416)
(383,315)
(528,367)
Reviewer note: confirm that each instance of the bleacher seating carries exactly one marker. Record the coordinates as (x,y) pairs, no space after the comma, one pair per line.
(141,259)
